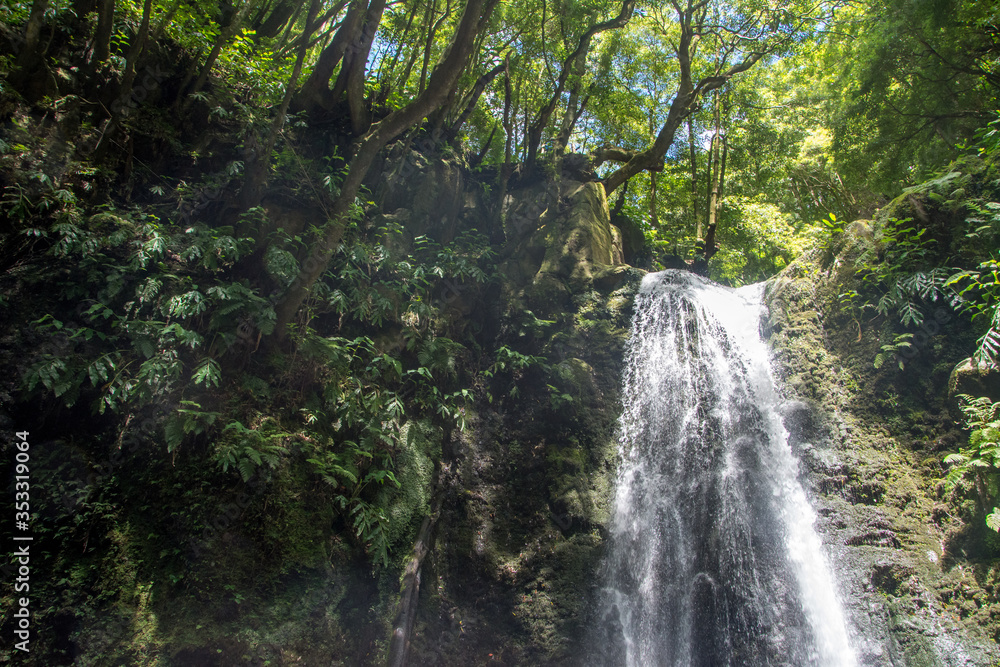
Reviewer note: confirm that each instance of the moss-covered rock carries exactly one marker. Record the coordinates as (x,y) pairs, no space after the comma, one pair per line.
(580,237)
(869,440)
(520,536)
(563,241)
(974,380)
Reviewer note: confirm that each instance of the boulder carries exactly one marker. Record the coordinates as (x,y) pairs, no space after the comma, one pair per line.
(974,380)
(569,243)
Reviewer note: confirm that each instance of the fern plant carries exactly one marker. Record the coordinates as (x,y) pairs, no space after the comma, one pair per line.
(906,275)
(511,364)
(892,350)
(187,420)
(913,271)
(980,460)
(247,449)
(155,310)
(980,290)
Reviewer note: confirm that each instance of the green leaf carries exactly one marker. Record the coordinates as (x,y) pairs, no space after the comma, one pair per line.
(993,520)
(208,373)
(246,468)
(173,433)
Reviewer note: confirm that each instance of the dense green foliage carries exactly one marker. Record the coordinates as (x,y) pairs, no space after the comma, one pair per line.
(934,260)
(202,235)
(981,459)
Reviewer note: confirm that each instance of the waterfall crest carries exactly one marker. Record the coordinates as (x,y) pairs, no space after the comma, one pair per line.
(713,558)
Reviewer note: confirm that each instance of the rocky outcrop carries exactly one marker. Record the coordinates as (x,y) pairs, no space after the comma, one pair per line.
(974,380)
(561,239)
(871,443)
(520,536)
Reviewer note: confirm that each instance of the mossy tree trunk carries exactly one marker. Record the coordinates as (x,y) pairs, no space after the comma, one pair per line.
(102,35)
(225,35)
(351,79)
(259,163)
(316,90)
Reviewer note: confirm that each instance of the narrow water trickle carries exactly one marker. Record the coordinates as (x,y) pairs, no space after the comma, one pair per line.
(713,558)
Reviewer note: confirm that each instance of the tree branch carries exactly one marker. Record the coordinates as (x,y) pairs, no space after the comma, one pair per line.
(442,81)
(573,64)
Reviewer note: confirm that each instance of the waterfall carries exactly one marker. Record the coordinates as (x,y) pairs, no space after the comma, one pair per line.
(713,558)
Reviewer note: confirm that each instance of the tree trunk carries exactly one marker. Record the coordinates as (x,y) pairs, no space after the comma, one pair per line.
(694,178)
(716,170)
(654,219)
(285,45)
(679,109)
(124,101)
(442,82)
(31,55)
(429,43)
(710,248)
(102,36)
(290,25)
(506,169)
(273,23)
(573,112)
(410,62)
(620,204)
(263,10)
(652,157)
(161,27)
(399,48)
(259,163)
(225,35)
(713,195)
(316,90)
(722,167)
(710,182)
(688,93)
(477,91)
(353,69)
(402,626)
(478,158)
(135,51)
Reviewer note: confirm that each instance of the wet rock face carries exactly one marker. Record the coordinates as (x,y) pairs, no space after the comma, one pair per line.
(521,532)
(868,443)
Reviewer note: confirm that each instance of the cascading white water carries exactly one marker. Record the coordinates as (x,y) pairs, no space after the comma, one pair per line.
(713,557)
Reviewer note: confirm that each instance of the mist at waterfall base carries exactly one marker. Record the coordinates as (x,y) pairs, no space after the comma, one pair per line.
(713,559)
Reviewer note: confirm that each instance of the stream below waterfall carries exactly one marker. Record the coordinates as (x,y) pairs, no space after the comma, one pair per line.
(713,556)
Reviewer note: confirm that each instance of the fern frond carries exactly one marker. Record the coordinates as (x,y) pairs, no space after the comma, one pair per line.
(988,349)
(993,520)
(910,314)
(246,468)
